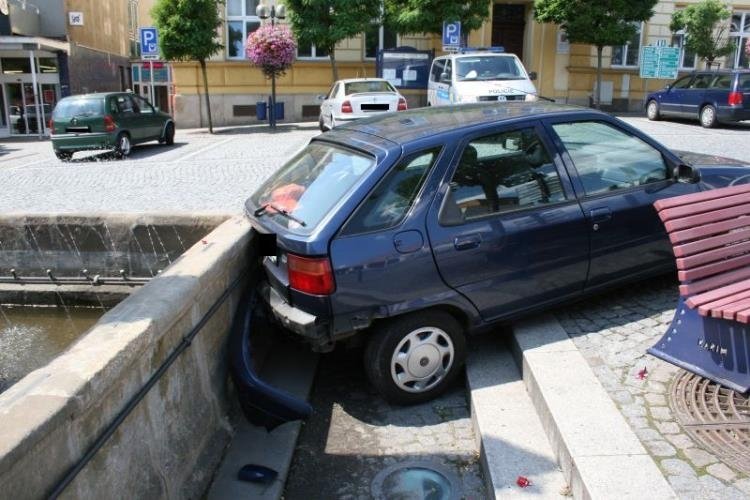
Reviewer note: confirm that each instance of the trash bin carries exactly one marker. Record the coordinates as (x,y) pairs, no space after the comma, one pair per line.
(261,110)
(279,109)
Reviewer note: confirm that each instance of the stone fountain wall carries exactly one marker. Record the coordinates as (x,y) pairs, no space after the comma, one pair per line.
(169,445)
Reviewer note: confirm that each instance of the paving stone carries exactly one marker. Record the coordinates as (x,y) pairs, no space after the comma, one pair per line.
(743,485)
(656,399)
(677,467)
(721,471)
(660,448)
(684,483)
(638,422)
(681,441)
(656,387)
(667,427)
(648,434)
(662,413)
(700,458)
(633,410)
(622,397)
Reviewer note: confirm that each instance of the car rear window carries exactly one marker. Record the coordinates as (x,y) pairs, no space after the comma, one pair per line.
(722,82)
(300,194)
(374,86)
(743,82)
(78,107)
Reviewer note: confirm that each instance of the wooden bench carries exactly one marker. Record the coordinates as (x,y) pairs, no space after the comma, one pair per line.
(710,235)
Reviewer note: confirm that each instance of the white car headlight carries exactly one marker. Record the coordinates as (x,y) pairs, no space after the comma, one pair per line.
(531,97)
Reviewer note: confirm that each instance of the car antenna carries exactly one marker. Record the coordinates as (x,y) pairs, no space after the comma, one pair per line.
(544,98)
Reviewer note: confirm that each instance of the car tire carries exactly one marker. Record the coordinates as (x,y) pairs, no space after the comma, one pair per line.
(169,134)
(708,116)
(64,155)
(413,358)
(652,110)
(321,124)
(122,145)
(333,123)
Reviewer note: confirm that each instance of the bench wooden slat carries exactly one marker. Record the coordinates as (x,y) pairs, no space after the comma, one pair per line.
(714,308)
(710,243)
(698,197)
(707,218)
(715,205)
(730,310)
(698,273)
(711,256)
(743,316)
(679,237)
(716,288)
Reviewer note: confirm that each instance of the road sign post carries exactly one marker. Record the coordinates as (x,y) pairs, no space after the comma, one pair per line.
(451,35)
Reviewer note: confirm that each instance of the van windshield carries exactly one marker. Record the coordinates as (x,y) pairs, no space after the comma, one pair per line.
(302,192)
(68,108)
(482,68)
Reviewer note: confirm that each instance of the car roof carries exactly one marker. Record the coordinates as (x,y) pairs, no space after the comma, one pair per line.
(405,126)
(353,80)
(96,95)
(720,71)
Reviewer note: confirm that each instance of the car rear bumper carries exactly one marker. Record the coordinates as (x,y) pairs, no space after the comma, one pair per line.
(76,142)
(732,114)
(294,319)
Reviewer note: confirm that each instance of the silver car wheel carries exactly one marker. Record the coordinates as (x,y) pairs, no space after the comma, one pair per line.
(708,116)
(422,359)
(652,111)
(123,145)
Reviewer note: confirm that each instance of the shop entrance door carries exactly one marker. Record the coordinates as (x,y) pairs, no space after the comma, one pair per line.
(25,117)
(508,23)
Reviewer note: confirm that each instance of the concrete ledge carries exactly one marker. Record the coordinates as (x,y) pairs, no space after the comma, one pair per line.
(599,454)
(171,442)
(510,435)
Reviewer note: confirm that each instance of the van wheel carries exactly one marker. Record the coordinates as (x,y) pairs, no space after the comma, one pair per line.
(652,110)
(64,155)
(413,358)
(708,116)
(122,145)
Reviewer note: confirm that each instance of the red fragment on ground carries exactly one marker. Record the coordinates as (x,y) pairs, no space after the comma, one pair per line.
(643,373)
(523,481)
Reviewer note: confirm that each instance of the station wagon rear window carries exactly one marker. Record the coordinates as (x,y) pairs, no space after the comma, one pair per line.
(373,86)
(308,186)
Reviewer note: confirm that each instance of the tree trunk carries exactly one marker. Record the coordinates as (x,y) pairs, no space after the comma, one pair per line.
(598,97)
(208,101)
(334,68)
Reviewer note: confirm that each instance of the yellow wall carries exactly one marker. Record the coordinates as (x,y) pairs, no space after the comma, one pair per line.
(105,25)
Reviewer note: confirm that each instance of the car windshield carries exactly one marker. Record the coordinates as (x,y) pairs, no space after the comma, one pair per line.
(478,68)
(368,86)
(78,107)
(307,187)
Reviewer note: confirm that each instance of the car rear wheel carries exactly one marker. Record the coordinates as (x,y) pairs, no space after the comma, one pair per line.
(708,116)
(413,358)
(64,155)
(169,134)
(333,123)
(321,124)
(652,110)
(122,145)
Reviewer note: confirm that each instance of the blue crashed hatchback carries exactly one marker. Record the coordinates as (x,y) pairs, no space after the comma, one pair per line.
(412,230)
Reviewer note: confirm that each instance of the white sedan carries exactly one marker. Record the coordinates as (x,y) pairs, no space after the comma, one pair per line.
(356,98)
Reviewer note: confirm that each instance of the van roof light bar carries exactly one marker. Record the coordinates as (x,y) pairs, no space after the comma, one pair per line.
(496,50)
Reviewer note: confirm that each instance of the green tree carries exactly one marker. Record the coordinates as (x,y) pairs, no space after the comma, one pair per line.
(187,32)
(704,29)
(596,22)
(427,16)
(324,23)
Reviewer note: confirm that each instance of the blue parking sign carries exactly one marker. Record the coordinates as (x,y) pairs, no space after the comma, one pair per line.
(149,43)
(451,34)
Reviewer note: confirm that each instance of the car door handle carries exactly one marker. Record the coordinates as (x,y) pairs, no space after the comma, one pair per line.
(599,215)
(467,242)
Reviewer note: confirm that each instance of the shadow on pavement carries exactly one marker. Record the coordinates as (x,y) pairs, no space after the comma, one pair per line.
(138,152)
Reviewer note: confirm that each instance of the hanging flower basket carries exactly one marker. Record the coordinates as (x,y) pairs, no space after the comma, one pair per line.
(272,49)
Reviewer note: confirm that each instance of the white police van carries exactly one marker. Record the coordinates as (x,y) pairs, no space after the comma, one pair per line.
(479,75)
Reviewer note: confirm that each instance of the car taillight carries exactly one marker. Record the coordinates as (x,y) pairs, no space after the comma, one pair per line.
(735,98)
(310,275)
(109,123)
(402,104)
(346,107)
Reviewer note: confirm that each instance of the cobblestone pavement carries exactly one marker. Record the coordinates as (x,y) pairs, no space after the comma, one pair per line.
(613,331)
(353,434)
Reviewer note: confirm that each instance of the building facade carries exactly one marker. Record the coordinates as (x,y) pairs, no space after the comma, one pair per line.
(53,48)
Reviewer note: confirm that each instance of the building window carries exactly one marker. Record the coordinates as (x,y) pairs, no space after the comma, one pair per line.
(241,21)
(377,37)
(687,58)
(310,51)
(627,55)
(739,33)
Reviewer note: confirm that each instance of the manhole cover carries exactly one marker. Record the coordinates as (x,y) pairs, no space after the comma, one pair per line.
(716,417)
(415,481)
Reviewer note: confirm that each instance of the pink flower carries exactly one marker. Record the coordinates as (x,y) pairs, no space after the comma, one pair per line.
(271,48)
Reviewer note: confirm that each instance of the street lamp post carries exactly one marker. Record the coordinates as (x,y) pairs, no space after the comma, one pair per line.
(273,12)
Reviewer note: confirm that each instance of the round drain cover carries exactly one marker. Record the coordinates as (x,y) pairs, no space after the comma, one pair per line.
(715,417)
(415,481)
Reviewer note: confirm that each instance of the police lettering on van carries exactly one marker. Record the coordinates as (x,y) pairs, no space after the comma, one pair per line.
(478,75)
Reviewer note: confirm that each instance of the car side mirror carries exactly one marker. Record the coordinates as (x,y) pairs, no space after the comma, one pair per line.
(532,75)
(445,78)
(686,174)
(320,97)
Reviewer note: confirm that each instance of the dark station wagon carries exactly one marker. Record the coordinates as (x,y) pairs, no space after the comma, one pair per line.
(411,230)
(112,120)
(712,97)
